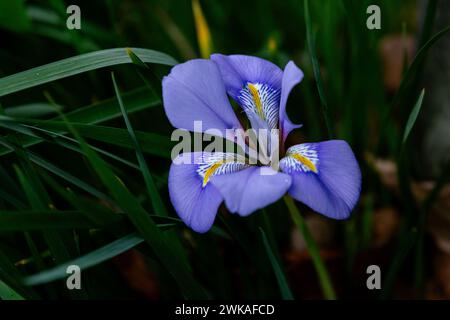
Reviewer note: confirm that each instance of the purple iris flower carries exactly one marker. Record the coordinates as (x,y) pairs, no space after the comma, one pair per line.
(325,176)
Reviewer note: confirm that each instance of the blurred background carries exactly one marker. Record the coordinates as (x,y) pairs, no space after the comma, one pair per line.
(371,79)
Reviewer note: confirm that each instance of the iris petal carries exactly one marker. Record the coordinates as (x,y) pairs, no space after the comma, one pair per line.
(195,200)
(195,91)
(238,70)
(325,176)
(251,189)
(292,76)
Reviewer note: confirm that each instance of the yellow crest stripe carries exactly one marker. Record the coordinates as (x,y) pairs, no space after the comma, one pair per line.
(255,94)
(304,160)
(211,171)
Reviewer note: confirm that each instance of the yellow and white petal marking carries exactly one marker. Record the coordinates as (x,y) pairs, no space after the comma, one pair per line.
(301,158)
(262,100)
(213,164)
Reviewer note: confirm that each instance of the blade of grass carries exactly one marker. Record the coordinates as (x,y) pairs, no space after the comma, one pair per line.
(31,110)
(11,276)
(282,282)
(62,140)
(7,293)
(408,78)
(99,213)
(413,116)
(324,278)
(86,261)
(157,240)
(316,69)
(7,197)
(152,191)
(36,195)
(39,200)
(427,27)
(175,33)
(59,172)
(76,65)
(151,143)
(135,101)
(155,198)
(408,234)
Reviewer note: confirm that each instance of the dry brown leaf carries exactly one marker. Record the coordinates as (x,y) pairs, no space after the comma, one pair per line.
(136,272)
(392,50)
(385,224)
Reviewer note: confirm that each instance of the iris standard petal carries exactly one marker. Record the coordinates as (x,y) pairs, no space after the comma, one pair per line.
(254,83)
(325,176)
(195,199)
(238,70)
(251,189)
(292,76)
(194,91)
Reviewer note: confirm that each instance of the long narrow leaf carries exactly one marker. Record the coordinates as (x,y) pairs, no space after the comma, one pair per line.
(7,293)
(316,69)
(76,65)
(413,116)
(135,100)
(282,282)
(155,198)
(165,250)
(87,261)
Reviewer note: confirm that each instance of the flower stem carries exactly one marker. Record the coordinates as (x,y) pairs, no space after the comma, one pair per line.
(324,278)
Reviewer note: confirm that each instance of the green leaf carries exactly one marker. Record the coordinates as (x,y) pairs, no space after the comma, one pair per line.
(135,100)
(136,60)
(154,196)
(32,110)
(165,250)
(151,143)
(76,65)
(67,176)
(313,249)
(316,69)
(64,141)
(413,116)
(11,275)
(87,261)
(282,282)
(409,75)
(59,172)
(7,293)
(39,200)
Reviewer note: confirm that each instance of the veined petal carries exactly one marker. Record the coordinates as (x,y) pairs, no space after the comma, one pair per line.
(195,91)
(251,189)
(238,70)
(254,83)
(325,176)
(292,76)
(195,199)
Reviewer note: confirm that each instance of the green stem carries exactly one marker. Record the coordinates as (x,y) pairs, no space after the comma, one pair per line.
(324,278)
